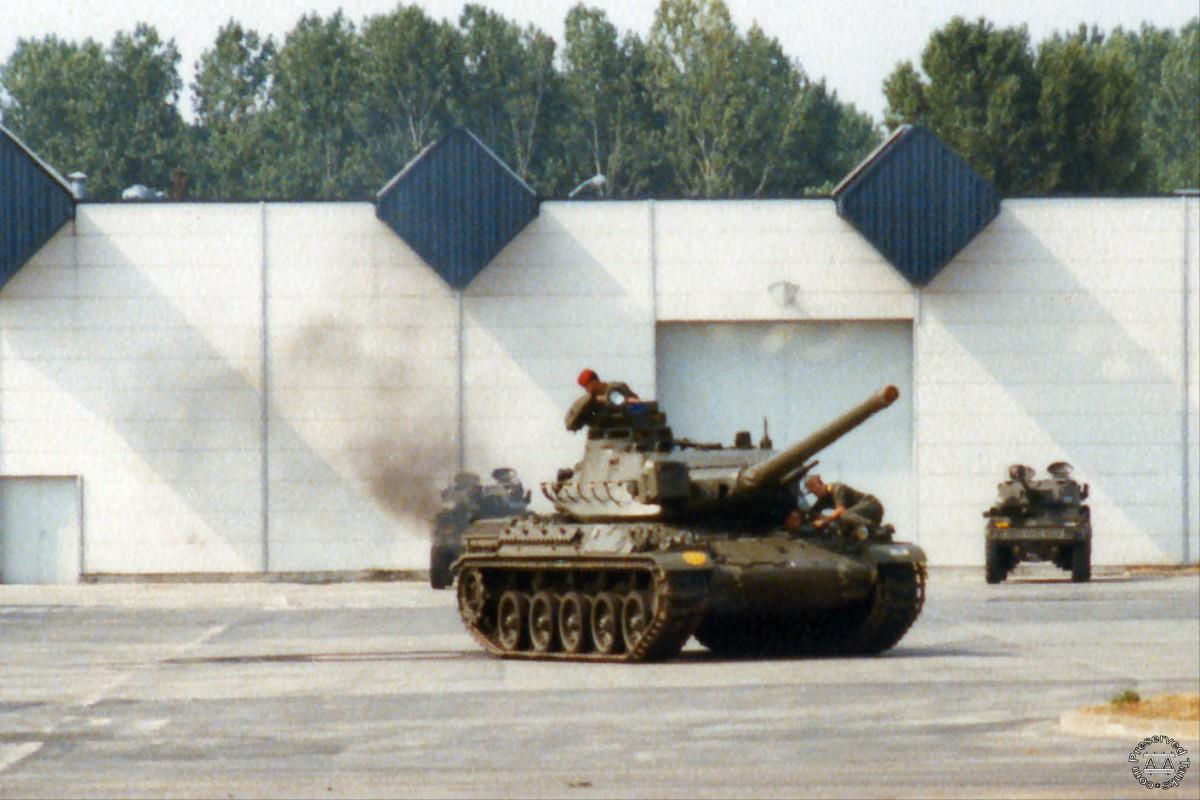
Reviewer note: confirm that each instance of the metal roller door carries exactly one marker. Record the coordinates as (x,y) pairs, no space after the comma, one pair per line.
(718,378)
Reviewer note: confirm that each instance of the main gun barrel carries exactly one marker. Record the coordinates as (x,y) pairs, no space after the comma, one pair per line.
(774,469)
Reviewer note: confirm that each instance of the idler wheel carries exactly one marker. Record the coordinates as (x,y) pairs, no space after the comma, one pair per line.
(472,598)
(574,610)
(635,617)
(543,614)
(511,613)
(606,623)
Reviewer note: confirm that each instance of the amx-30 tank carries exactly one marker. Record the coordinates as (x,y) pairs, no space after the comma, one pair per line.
(655,539)
(464,501)
(1039,520)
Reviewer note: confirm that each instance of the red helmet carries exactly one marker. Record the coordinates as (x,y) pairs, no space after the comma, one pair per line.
(586,377)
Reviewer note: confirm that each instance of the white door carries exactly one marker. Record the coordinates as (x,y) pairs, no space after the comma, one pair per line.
(39,529)
(717,378)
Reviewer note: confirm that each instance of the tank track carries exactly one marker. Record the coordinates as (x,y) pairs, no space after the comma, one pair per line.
(866,629)
(677,603)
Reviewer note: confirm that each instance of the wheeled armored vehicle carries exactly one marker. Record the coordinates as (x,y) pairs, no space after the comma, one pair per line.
(464,501)
(654,539)
(1039,520)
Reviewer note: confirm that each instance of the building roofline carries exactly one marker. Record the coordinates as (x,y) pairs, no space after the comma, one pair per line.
(50,171)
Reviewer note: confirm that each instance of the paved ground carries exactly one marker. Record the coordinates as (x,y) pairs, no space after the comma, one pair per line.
(373,689)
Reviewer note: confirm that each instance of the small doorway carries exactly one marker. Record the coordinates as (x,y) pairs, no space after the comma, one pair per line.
(40,529)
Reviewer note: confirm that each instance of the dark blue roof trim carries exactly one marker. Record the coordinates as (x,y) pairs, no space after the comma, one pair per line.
(34,203)
(917,202)
(457,205)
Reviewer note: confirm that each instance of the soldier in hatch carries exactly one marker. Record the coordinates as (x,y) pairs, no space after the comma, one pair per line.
(852,513)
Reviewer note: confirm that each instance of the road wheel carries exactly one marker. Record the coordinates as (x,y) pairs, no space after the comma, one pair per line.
(606,623)
(636,615)
(574,612)
(1081,562)
(543,616)
(997,564)
(511,614)
(472,599)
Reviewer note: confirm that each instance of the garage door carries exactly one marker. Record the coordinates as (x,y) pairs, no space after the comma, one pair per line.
(717,378)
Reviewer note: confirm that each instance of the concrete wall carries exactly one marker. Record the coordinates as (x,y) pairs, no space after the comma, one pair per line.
(1058,334)
(131,357)
(276,386)
(573,290)
(716,260)
(1191,258)
(363,390)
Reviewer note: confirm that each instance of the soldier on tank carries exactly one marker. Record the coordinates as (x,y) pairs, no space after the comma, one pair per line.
(598,394)
(852,513)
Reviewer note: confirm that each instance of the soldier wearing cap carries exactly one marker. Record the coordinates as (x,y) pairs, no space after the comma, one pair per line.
(598,393)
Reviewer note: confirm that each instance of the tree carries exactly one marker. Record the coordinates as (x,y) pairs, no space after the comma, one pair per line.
(412,70)
(609,126)
(1089,126)
(141,139)
(53,89)
(510,87)
(1172,135)
(230,91)
(112,114)
(314,132)
(979,94)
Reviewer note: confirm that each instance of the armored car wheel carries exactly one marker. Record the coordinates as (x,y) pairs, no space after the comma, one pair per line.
(1081,562)
(511,613)
(997,565)
(606,623)
(574,616)
(543,619)
(636,613)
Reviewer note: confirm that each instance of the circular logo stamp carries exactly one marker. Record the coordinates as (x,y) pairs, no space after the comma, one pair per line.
(1159,762)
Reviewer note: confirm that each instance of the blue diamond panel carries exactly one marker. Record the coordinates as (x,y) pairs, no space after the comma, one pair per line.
(34,204)
(917,202)
(457,205)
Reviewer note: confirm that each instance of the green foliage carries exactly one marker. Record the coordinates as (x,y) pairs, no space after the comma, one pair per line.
(1127,697)
(697,108)
(1089,126)
(610,127)
(412,72)
(1173,127)
(979,94)
(111,113)
(1080,113)
(314,143)
(510,87)
(230,93)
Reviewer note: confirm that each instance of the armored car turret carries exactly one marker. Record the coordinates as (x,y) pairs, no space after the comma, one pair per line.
(1039,520)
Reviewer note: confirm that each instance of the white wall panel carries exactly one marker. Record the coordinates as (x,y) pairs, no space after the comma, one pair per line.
(362,390)
(716,259)
(130,358)
(1056,335)
(573,290)
(1191,282)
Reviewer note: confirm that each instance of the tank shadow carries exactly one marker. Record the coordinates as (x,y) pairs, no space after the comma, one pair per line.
(333,658)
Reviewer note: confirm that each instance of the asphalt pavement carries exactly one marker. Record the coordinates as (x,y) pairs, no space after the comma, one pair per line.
(374,689)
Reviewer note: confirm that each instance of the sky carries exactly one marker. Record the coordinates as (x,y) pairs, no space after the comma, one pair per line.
(852,44)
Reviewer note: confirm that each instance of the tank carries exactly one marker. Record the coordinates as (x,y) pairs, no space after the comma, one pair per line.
(465,500)
(655,538)
(1039,520)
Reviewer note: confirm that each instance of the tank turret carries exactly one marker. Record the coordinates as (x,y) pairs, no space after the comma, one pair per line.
(634,467)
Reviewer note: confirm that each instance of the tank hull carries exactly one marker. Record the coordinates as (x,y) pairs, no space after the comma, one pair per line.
(657,585)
